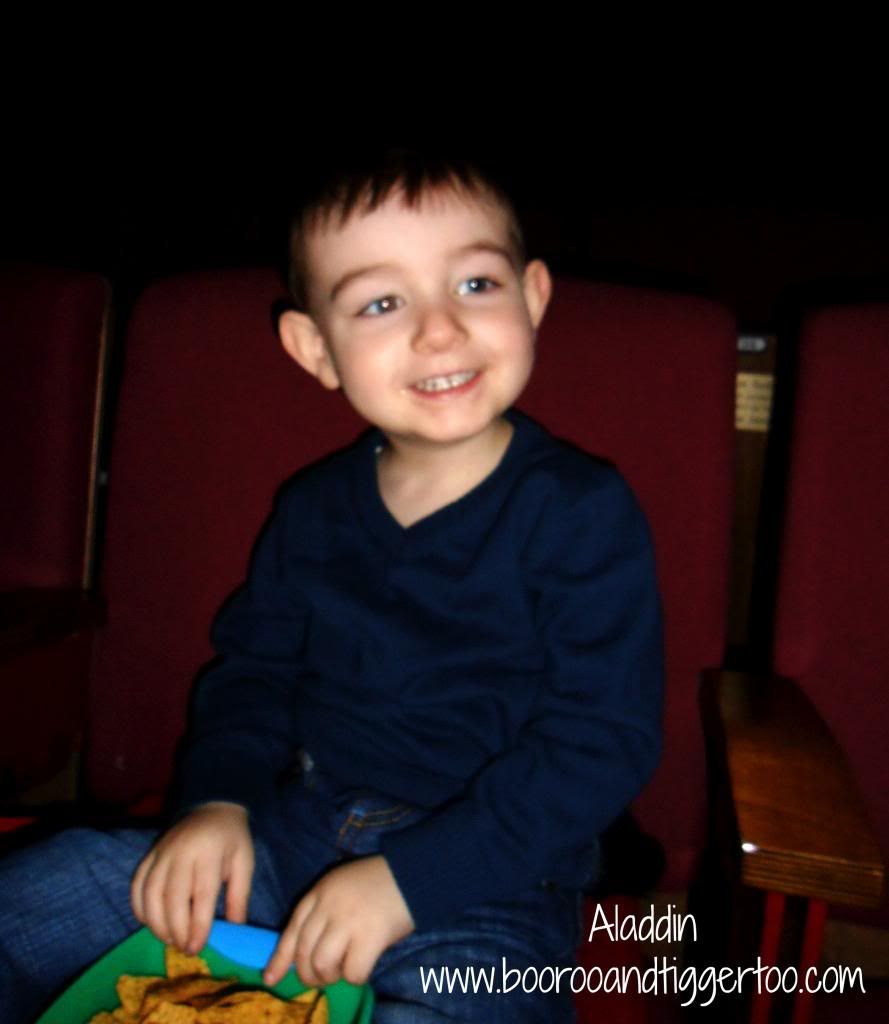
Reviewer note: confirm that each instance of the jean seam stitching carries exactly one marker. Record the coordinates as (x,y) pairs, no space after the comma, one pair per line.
(358,822)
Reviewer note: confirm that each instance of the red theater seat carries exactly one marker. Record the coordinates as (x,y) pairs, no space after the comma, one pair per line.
(53,335)
(52,331)
(212,417)
(832,621)
(646,378)
(804,752)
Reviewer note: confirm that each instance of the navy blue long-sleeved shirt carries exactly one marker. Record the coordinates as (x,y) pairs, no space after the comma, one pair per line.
(499,661)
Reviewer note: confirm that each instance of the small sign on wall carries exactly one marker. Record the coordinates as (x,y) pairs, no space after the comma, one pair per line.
(753,401)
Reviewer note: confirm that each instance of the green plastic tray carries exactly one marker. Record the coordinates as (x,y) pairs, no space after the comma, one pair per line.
(142,953)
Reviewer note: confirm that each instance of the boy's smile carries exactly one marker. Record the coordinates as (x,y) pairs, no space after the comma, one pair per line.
(423,317)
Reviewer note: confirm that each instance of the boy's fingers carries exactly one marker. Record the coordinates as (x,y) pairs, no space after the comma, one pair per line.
(177,902)
(330,953)
(310,934)
(237,893)
(137,900)
(152,899)
(205,886)
(303,909)
(282,958)
(359,962)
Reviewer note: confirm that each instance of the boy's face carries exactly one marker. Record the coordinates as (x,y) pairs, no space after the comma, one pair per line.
(421,316)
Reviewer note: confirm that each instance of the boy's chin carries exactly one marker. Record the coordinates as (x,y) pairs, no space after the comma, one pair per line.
(446,437)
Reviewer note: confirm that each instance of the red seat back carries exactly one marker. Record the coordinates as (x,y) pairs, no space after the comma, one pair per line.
(646,378)
(213,416)
(832,622)
(52,331)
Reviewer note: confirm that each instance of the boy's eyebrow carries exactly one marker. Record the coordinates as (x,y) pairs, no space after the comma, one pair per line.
(481,246)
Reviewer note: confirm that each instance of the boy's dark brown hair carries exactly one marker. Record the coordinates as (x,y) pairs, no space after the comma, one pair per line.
(363,180)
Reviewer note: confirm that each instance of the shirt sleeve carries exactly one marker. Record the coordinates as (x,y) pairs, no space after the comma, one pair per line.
(594,735)
(240,736)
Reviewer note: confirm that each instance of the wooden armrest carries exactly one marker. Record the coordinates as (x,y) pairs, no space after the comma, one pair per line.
(30,618)
(799,820)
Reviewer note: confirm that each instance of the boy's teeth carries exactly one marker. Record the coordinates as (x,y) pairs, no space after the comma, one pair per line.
(443,383)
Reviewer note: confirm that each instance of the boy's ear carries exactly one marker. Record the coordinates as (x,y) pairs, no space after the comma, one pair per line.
(538,287)
(305,344)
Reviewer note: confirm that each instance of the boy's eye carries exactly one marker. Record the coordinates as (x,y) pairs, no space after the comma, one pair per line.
(476,285)
(384,305)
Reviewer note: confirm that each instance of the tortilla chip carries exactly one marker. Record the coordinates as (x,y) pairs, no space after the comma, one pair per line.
(196,990)
(321,1011)
(131,990)
(178,964)
(244,1008)
(170,1013)
(298,1013)
(189,995)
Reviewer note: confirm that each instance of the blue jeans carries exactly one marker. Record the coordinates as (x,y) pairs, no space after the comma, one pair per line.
(65,902)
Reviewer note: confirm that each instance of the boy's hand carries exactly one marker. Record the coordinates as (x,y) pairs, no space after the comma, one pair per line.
(342,925)
(175,888)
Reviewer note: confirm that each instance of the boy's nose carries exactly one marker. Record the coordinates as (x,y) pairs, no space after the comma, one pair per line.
(438,328)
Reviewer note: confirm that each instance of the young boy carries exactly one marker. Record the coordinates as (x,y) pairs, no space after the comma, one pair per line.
(442,679)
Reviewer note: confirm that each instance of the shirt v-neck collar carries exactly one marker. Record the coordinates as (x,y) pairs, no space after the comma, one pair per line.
(380,521)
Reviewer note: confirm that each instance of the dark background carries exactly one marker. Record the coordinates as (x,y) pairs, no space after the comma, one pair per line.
(759,212)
